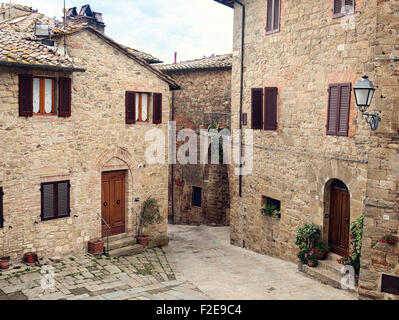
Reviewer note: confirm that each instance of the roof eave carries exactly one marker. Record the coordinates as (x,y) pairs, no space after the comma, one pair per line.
(196,69)
(227,3)
(40,67)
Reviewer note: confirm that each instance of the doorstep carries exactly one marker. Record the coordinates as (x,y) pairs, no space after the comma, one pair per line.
(327,272)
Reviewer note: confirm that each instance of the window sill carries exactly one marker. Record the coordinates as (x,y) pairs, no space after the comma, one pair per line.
(54,219)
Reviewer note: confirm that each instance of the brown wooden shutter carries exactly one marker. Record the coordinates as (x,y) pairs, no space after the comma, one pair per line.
(25,95)
(270,120)
(333,106)
(65,98)
(130,107)
(276,18)
(257,109)
(1,209)
(350,3)
(344,109)
(337,10)
(269,16)
(157,110)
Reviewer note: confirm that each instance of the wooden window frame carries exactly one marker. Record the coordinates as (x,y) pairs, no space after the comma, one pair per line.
(42,96)
(140,107)
(273,31)
(337,15)
(192,202)
(1,208)
(55,200)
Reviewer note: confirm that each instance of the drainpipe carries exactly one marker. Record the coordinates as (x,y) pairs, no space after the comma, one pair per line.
(241,86)
(173,167)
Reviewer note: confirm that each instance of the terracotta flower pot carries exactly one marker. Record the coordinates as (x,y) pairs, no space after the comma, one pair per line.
(96,247)
(322,256)
(4,263)
(143,241)
(29,257)
(312,263)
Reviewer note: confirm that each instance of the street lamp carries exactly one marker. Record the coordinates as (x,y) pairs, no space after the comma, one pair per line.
(364,94)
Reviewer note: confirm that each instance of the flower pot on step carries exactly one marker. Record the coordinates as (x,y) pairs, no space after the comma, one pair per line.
(322,255)
(4,263)
(143,241)
(312,263)
(96,247)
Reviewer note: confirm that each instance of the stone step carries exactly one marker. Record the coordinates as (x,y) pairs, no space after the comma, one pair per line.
(124,242)
(118,237)
(324,275)
(126,251)
(331,264)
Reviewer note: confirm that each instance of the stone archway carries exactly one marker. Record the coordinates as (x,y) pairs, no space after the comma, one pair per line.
(118,159)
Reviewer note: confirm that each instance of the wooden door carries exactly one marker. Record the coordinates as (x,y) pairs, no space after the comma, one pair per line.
(339,221)
(113,202)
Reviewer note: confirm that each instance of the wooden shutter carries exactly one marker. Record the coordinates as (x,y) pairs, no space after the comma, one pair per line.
(339,109)
(270,114)
(337,10)
(269,16)
(344,109)
(1,209)
(333,106)
(25,95)
(48,201)
(65,98)
(63,199)
(257,109)
(157,110)
(350,3)
(276,17)
(130,107)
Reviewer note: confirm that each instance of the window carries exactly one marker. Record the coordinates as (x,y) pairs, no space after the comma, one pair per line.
(273,16)
(55,200)
(343,8)
(197,197)
(138,107)
(1,208)
(264,108)
(338,109)
(43,96)
(37,96)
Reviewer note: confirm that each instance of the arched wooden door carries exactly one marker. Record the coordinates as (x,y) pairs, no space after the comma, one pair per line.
(339,218)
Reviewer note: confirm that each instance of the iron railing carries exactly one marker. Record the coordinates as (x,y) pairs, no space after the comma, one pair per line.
(108,229)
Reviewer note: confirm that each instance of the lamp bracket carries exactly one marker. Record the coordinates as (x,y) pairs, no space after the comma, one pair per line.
(372,119)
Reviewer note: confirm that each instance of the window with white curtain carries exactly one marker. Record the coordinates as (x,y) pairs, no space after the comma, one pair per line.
(142,107)
(43,96)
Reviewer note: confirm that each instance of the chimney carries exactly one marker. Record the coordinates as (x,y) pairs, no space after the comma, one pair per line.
(85,17)
(175,57)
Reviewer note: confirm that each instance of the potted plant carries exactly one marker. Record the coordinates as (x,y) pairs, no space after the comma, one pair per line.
(96,247)
(149,214)
(390,239)
(322,251)
(311,258)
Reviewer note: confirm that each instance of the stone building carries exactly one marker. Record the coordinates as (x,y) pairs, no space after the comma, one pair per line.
(74,111)
(315,157)
(199,193)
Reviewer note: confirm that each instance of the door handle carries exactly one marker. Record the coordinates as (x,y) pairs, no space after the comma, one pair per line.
(105,203)
(347,220)
(118,202)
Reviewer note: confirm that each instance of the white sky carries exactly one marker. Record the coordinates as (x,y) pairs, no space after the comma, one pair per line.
(193,28)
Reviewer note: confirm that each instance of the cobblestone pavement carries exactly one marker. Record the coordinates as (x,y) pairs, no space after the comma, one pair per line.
(203,255)
(147,276)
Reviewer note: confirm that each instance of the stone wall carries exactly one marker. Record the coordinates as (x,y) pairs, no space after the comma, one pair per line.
(297,162)
(93,140)
(205,96)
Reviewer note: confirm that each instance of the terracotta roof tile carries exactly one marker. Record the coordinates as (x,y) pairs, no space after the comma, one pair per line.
(213,62)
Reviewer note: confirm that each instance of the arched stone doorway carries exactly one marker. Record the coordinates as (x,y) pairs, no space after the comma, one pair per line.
(337,203)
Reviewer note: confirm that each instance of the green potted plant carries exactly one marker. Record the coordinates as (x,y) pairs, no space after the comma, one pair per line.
(5,261)
(322,250)
(390,239)
(149,215)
